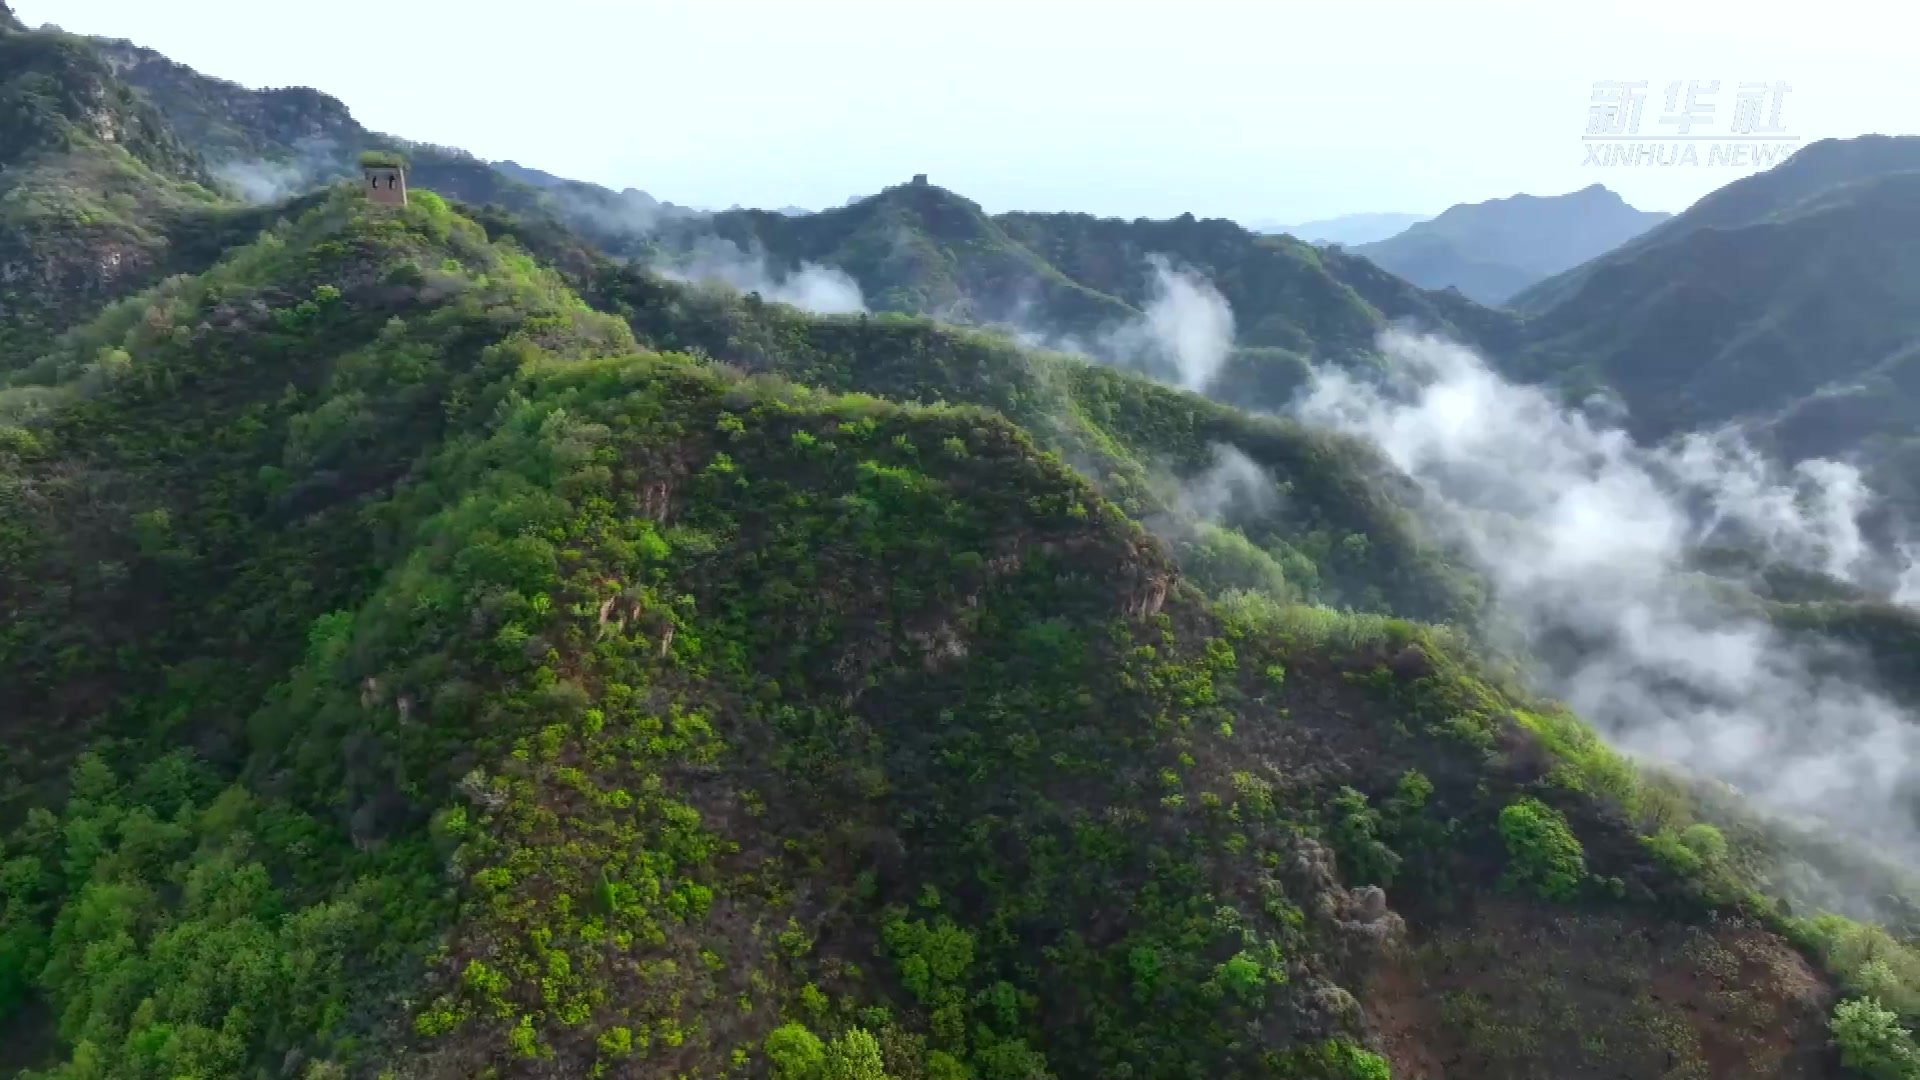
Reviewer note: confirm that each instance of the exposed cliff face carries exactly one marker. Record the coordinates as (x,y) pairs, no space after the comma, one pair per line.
(44,280)
(225,121)
(89,172)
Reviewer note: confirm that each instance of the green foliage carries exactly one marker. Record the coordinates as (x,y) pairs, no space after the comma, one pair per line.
(1873,1043)
(175,950)
(1356,838)
(796,1053)
(564,706)
(1366,1065)
(1332,1059)
(1699,853)
(1542,852)
(1346,535)
(1222,559)
(933,959)
(1242,976)
(1867,960)
(1586,763)
(1410,794)
(855,1055)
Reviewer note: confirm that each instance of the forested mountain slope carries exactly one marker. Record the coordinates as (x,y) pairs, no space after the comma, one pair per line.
(918,248)
(91,179)
(272,143)
(1808,172)
(428,650)
(1101,286)
(1731,322)
(1741,308)
(1338,527)
(914,248)
(1783,302)
(447,697)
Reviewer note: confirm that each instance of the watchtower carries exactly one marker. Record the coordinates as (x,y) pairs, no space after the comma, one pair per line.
(385,179)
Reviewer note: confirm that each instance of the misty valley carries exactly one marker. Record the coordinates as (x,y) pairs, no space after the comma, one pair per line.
(462,621)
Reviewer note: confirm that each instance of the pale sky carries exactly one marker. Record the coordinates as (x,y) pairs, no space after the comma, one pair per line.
(1261,110)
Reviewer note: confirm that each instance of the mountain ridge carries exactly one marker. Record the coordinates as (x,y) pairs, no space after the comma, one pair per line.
(895,271)
(92,182)
(1306,304)
(1494,250)
(437,648)
(1764,301)
(1344,229)
(275,142)
(1805,172)
(332,753)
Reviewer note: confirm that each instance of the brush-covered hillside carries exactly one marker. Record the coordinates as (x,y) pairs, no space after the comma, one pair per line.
(428,650)
(1782,303)
(267,144)
(914,248)
(918,248)
(91,182)
(1783,297)
(421,676)
(1776,302)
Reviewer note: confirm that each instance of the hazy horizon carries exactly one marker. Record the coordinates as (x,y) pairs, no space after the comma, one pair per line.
(1256,115)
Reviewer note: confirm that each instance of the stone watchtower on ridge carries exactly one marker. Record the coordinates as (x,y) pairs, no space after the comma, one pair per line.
(385,177)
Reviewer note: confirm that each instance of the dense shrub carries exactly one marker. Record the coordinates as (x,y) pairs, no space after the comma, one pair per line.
(1542,852)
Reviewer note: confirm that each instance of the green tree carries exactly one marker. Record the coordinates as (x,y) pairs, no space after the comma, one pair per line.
(855,1055)
(1872,1042)
(1542,852)
(1356,839)
(796,1053)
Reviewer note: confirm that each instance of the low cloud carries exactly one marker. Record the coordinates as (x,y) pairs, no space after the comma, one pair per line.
(1234,487)
(824,290)
(1585,537)
(1808,516)
(1187,327)
(1906,588)
(1183,335)
(629,214)
(313,162)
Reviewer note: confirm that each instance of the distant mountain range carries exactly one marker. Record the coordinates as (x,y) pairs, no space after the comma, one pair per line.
(1494,249)
(1070,279)
(1606,295)
(1078,281)
(1344,229)
(1784,301)
(270,143)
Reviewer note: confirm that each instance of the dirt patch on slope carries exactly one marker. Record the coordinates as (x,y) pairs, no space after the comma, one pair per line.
(1522,990)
